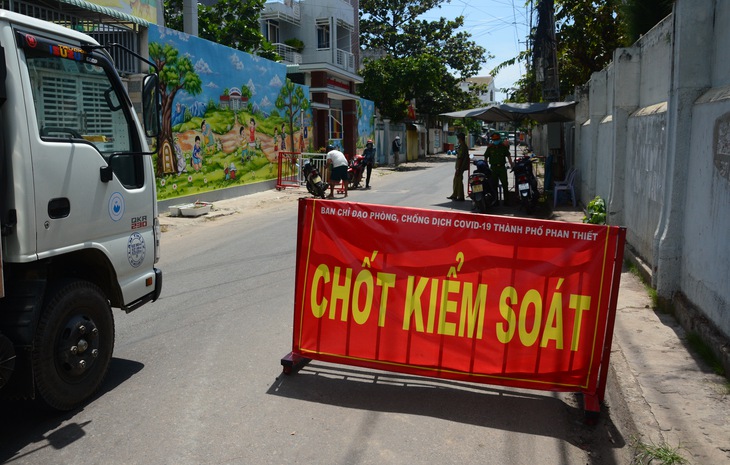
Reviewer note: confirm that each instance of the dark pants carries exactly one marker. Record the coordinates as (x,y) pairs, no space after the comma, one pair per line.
(499,174)
(368,171)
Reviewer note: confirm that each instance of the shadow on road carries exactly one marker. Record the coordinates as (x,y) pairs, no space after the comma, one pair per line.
(546,414)
(26,422)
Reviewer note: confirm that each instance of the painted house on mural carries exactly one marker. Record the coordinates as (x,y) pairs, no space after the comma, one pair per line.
(319,41)
(226,125)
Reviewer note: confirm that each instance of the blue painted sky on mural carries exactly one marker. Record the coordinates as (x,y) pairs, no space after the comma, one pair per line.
(221,68)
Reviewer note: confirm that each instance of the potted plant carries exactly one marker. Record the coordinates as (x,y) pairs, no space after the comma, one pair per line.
(296,44)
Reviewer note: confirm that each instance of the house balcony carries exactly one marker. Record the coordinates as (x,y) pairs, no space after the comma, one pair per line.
(282,10)
(345,60)
(288,53)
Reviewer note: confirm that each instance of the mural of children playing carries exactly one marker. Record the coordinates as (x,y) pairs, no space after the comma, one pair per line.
(208,138)
(251,137)
(283,138)
(180,157)
(197,158)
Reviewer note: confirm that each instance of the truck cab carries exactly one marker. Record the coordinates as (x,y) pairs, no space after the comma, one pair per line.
(78,209)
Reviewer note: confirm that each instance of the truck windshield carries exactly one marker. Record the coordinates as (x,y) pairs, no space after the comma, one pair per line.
(76,100)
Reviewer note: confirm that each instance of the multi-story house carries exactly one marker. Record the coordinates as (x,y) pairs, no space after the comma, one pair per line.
(319,40)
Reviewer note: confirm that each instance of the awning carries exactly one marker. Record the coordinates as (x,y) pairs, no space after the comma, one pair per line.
(107,11)
(542,112)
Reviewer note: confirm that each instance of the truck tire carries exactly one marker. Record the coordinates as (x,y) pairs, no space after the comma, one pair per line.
(73,345)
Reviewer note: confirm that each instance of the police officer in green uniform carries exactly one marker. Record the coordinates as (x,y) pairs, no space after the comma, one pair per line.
(462,164)
(496,153)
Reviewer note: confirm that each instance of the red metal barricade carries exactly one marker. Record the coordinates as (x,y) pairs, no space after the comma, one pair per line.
(288,170)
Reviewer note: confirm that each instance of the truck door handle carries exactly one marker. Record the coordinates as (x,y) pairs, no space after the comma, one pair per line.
(59,208)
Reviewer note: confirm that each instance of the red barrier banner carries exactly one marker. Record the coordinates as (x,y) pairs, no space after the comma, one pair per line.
(489,299)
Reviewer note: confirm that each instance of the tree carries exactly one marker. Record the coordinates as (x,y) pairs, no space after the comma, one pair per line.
(422,60)
(587,33)
(234,23)
(175,73)
(292,100)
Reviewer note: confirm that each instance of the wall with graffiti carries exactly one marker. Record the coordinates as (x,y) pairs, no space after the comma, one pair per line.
(226,115)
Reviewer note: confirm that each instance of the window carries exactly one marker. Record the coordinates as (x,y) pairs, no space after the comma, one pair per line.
(76,101)
(323,33)
(335,123)
(272,31)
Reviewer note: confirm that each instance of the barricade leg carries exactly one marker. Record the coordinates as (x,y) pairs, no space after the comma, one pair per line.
(293,363)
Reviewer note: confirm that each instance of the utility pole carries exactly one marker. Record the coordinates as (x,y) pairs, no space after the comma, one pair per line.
(545,53)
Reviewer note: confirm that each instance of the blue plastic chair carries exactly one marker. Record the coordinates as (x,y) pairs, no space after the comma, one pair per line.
(565,185)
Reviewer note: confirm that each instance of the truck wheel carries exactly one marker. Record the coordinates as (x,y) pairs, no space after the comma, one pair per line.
(73,345)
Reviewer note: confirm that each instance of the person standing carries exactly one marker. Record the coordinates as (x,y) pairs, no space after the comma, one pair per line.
(462,164)
(337,164)
(496,154)
(369,160)
(396,149)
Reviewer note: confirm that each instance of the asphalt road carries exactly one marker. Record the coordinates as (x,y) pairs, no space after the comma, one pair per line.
(196,376)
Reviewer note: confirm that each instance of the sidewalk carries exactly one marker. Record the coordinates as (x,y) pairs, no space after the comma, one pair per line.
(666,395)
(658,394)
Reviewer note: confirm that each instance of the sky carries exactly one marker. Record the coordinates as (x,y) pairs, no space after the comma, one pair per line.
(500,26)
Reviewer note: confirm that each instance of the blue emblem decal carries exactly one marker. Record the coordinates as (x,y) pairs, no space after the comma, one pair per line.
(116,206)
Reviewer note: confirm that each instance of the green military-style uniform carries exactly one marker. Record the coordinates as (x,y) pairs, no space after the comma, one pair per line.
(497,155)
(462,164)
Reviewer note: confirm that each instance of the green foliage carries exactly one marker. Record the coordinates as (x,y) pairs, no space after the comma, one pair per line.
(424,60)
(662,454)
(642,15)
(296,44)
(234,23)
(595,211)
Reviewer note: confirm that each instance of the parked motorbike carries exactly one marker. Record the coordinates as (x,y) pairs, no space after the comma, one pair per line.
(480,186)
(526,183)
(315,185)
(355,171)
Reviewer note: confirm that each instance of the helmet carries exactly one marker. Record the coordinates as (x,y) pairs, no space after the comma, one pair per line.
(370,141)
(496,136)
(397,137)
(330,147)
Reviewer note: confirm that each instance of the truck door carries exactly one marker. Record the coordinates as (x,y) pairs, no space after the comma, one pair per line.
(83,121)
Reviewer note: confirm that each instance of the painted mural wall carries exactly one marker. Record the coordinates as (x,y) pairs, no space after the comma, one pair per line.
(145,9)
(226,115)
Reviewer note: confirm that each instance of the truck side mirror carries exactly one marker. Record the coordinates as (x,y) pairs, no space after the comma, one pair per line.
(151,105)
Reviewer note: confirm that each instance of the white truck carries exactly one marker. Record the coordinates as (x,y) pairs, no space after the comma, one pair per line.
(78,209)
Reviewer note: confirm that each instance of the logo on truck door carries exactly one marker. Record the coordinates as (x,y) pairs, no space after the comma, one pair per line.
(116,206)
(136,249)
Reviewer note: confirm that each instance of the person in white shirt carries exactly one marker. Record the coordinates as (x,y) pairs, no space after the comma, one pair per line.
(337,163)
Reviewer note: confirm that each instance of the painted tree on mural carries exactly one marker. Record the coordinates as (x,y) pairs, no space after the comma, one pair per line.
(176,73)
(292,101)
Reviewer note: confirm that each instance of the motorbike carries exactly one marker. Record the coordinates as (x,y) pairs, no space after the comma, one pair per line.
(355,171)
(480,187)
(526,183)
(315,185)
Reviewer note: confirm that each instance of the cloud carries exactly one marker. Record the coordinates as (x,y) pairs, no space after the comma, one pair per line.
(250,84)
(201,67)
(236,61)
(212,85)
(265,102)
(276,82)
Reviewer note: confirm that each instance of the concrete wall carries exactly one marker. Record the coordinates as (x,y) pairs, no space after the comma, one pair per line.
(652,137)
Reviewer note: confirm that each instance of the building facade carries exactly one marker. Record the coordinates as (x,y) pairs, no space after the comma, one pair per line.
(319,41)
